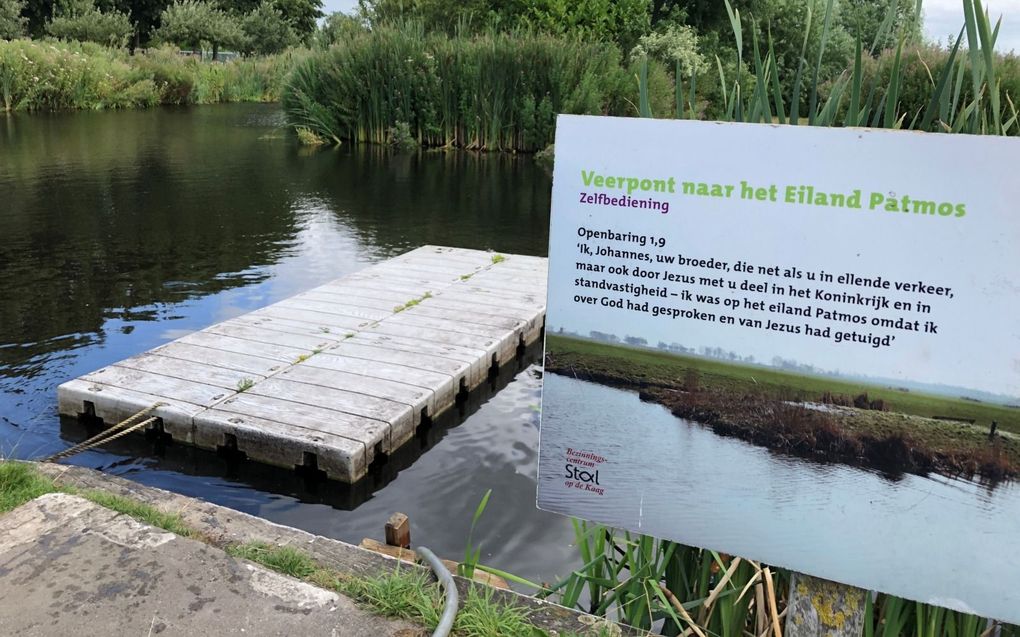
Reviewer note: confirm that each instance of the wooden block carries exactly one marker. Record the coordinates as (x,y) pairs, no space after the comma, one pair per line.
(398,531)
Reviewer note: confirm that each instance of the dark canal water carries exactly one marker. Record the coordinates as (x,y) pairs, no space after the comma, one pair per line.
(122,231)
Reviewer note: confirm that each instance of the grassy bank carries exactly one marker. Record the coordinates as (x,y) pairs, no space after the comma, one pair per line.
(493,91)
(402,593)
(49,76)
(891,429)
(20,482)
(405,593)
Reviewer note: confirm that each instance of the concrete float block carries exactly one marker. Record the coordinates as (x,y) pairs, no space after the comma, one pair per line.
(282,444)
(115,404)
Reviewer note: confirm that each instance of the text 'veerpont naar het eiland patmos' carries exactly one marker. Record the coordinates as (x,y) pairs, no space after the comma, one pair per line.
(644,193)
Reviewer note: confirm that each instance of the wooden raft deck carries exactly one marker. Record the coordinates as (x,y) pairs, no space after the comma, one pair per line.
(338,375)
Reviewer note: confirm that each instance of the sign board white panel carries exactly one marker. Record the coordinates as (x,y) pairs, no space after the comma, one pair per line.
(793,344)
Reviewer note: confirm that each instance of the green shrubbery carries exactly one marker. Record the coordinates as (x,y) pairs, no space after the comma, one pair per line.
(59,76)
(493,91)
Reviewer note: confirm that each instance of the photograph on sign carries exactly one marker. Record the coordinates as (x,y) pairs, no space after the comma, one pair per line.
(796,345)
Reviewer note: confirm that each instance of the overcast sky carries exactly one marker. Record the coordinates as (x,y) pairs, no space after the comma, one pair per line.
(942,17)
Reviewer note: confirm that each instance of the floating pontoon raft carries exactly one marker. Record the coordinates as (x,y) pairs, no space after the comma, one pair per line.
(334,377)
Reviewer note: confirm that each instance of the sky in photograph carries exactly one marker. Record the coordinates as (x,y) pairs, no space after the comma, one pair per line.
(942,18)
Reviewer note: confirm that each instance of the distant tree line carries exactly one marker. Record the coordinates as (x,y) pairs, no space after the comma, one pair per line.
(248,26)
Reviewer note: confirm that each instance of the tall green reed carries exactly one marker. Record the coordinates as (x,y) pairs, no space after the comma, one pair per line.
(489,91)
(967,96)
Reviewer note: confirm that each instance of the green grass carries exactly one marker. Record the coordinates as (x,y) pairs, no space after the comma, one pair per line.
(412,303)
(668,369)
(622,573)
(282,559)
(21,482)
(142,512)
(404,593)
(245,384)
(407,594)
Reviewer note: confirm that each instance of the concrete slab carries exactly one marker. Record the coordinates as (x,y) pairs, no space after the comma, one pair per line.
(71,567)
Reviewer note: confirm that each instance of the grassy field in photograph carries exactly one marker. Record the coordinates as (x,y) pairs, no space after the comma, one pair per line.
(654,367)
(896,429)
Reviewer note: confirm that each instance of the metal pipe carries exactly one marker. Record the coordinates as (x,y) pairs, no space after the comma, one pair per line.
(449,586)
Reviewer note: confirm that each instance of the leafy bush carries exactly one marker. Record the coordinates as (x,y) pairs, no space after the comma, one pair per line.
(112,29)
(494,91)
(49,76)
(677,45)
(12,23)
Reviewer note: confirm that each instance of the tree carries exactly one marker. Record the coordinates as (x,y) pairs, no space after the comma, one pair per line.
(12,22)
(865,18)
(266,31)
(111,29)
(302,15)
(435,15)
(620,21)
(338,27)
(144,14)
(192,23)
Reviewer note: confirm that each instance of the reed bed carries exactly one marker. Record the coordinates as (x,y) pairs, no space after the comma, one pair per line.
(674,589)
(493,91)
(968,88)
(52,75)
